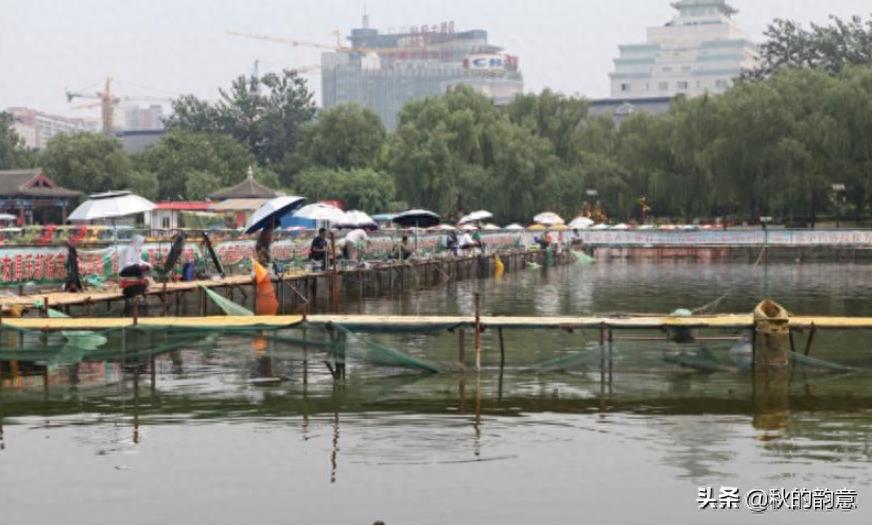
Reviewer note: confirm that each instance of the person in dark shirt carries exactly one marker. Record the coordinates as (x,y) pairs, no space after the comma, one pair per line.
(318,249)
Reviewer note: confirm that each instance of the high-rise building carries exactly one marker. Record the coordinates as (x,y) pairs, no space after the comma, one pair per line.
(383,71)
(37,128)
(701,50)
(139,118)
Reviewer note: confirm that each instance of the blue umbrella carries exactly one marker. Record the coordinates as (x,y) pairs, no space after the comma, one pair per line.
(269,215)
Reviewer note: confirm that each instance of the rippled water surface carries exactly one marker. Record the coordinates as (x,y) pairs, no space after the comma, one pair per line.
(234,429)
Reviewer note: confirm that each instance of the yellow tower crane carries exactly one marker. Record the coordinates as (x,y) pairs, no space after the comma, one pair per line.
(106,100)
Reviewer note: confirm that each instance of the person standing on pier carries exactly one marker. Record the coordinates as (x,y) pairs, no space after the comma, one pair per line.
(318,249)
(477,239)
(403,249)
(261,248)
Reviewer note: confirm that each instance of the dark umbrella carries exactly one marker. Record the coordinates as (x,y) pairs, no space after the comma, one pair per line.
(417,218)
(268,215)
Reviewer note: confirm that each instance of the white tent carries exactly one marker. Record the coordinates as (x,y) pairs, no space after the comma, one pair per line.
(548,218)
(321,213)
(580,223)
(110,205)
(476,216)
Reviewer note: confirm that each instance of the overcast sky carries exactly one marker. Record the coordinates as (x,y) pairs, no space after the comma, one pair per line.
(162,48)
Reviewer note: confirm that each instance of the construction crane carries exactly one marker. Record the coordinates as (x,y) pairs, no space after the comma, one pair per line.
(106,100)
(295,43)
(338,48)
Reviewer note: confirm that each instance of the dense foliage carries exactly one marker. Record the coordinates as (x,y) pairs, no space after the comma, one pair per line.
(265,114)
(831,48)
(193,165)
(782,142)
(88,162)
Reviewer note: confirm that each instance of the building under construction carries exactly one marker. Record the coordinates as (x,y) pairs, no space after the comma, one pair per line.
(384,71)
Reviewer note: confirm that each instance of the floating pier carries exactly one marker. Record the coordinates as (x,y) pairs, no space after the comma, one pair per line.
(296,289)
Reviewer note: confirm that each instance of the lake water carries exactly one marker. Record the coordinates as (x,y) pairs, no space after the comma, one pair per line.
(235,430)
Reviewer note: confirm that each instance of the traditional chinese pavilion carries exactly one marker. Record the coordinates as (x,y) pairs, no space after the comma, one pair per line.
(34,198)
(242,199)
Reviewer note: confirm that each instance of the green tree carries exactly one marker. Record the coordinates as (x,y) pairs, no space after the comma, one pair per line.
(830,48)
(199,184)
(361,189)
(11,145)
(346,136)
(179,155)
(265,114)
(87,162)
(554,117)
(145,184)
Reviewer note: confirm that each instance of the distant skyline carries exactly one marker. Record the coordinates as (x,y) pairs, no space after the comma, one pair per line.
(164,48)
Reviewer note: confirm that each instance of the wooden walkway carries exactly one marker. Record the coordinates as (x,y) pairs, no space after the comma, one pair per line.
(298,286)
(426,323)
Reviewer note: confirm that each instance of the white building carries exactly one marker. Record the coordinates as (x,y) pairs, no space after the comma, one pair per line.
(701,50)
(37,128)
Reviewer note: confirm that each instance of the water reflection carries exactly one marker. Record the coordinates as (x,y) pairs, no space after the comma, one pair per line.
(619,398)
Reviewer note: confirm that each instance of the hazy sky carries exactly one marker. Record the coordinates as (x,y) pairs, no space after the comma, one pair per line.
(167,47)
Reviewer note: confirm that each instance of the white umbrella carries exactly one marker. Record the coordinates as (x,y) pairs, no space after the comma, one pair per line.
(602,226)
(490,227)
(548,218)
(357,219)
(272,211)
(468,227)
(621,226)
(581,223)
(476,216)
(442,227)
(7,217)
(110,205)
(321,212)
(514,226)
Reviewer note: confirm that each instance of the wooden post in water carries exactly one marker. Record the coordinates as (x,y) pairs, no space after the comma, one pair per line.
(771,367)
(461,347)
(163,299)
(810,339)
(281,293)
(477,332)
(502,349)
(334,281)
(771,322)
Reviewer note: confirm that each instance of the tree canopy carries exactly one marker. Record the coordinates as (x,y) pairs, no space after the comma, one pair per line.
(360,188)
(13,154)
(88,162)
(346,137)
(265,114)
(192,165)
(829,48)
